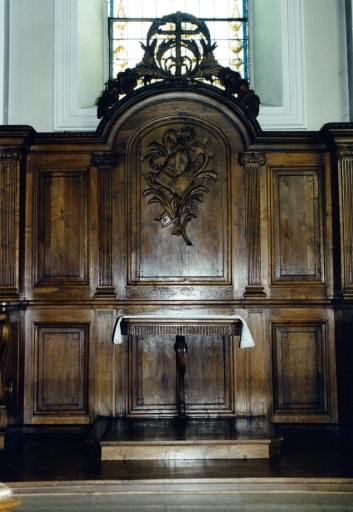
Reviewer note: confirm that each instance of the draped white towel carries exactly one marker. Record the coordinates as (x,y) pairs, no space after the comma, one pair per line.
(246,339)
(5,492)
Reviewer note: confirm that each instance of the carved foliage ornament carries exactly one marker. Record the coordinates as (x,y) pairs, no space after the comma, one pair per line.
(178,177)
(178,50)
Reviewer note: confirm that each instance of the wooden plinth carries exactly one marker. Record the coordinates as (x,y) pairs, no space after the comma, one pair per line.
(184,438)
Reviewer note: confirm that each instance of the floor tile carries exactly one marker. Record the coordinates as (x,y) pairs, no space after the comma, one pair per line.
(284,502)
(335,502)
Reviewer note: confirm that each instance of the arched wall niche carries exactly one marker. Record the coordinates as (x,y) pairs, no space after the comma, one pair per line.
(201,95)
(184,227)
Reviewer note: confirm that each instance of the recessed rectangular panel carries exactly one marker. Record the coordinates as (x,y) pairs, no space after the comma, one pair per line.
(153,380)
(61,369)
(300,372)
(296,226)
(152,375)
(62,226)
(179,212)
(209,374)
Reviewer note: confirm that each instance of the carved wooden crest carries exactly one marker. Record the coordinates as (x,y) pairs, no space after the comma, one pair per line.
(177,178)
(177,52)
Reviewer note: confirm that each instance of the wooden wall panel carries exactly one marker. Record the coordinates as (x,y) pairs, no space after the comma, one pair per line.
(9,222)
(345,176)
(300,373)
(153,375)
(209,375)
(297,225)
(81,244)
(61,369)
(252,368)
(192,246)
(62,226)
(107,368)
(11,376)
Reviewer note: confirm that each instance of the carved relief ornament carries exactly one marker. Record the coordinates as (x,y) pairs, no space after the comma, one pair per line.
(185,54)
(177,178)
(104,160)
(10,154)
(344,152)
(252,159)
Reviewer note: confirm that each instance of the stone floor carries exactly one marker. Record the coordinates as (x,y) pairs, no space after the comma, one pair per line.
(188,502)
(51,469)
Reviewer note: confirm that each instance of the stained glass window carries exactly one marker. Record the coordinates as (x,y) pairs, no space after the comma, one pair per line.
(130,20)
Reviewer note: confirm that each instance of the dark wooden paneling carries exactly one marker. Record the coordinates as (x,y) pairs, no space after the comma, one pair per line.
(345,176)
(300,375)
(9,228)
(62,226)
(61,369)
(159,253)
(209,375)
(153,375)
(297,222)
(81,244)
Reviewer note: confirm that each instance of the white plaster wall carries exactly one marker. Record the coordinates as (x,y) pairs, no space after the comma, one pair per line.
(31,69)
(31,74)
(90,52)
(325,62)
(2,63)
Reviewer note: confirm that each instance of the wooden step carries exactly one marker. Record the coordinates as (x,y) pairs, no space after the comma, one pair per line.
(185,438)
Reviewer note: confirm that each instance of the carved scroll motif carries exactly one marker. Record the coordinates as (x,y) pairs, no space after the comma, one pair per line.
(178,177)
(185,54)
(105,163)
(251,163)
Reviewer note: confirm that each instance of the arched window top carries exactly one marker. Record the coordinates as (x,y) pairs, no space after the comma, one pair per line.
(178,51)
(130,21)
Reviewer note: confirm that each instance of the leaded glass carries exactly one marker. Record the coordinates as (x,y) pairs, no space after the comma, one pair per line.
(130,20)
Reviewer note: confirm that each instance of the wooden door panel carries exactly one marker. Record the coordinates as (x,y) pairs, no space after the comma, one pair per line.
(152,382)
(153,376)
(296,225)
(208,374)
(62,227)
(61,369)
(300,375)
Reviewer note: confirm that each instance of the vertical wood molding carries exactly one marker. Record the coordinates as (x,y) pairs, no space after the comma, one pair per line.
(105,164)
(5,383)
(251,163)
(9,218)
(345,177)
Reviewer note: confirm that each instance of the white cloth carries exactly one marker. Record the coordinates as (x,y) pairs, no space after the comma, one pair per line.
(5,492)
(246,339)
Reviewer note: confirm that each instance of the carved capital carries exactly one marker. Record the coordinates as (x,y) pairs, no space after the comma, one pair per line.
(344,152)
(10,154)
(252,159)
(104,160)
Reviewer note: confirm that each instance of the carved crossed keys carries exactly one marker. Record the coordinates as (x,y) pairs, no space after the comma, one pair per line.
(178,177)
